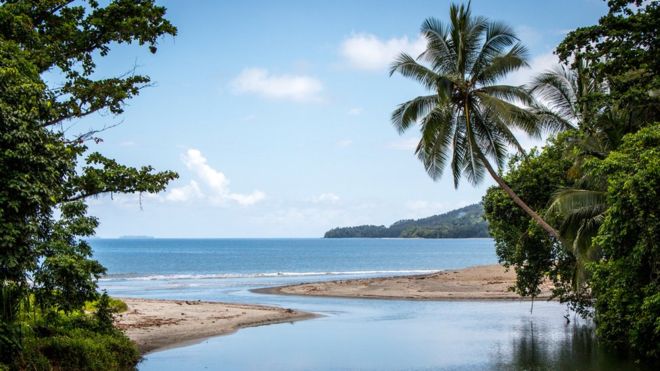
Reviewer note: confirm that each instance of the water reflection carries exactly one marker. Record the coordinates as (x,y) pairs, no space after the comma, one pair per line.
(576,349)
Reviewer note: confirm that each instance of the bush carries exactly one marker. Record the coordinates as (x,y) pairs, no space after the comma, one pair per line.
(116,305)
(86,350)
(75,341)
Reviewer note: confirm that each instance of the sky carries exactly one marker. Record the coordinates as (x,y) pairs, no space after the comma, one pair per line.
(276,115)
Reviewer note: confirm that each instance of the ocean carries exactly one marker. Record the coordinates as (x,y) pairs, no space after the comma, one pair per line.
(351,334)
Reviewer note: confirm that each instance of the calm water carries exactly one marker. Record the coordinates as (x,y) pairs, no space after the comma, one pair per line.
(352,334)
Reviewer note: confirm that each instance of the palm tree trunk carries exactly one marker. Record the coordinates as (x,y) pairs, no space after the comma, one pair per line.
(536,217)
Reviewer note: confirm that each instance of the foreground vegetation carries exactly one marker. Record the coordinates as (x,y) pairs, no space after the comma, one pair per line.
(466,222)
(584,210)
(47,274)
(78,340)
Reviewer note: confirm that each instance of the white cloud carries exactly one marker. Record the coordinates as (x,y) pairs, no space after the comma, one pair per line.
(344,143)
(355,111)
(368,52)
(259,81)
(210,184)
(329,198)
(184,193)
(249,199)
(408,144)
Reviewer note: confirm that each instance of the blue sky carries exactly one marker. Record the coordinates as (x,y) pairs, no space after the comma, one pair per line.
(276,116)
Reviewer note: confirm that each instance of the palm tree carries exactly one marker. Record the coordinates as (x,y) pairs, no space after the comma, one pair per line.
(468,116)
(581,212)
(580,209)
(562,91)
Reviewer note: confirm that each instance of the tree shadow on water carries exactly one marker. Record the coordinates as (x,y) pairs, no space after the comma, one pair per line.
(536,348)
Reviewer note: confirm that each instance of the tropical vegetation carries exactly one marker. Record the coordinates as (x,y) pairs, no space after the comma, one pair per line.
(47,273)
(605,198)
(469,117)
(583,210)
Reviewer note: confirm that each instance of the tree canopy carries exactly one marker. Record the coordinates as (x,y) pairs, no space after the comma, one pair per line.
(48,174)
(597,183)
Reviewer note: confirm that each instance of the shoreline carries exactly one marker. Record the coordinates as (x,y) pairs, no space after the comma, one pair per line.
(478,283)
(155,324)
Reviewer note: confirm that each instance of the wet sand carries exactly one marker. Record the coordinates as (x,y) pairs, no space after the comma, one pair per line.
(155,324)
(487,282)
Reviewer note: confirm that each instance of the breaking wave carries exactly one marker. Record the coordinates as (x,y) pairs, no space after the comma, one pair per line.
(168,277)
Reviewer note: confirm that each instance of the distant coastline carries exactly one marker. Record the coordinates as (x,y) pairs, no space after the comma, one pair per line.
(466,222)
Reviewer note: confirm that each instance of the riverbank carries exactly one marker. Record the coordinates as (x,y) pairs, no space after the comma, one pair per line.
(155,324)
(486,282)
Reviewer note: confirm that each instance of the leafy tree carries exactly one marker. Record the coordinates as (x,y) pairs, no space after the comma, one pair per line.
(626,282)
(519,242)
(47,175)
(104,313)
(578,210)
(469,116)
(605,175)
(622,52)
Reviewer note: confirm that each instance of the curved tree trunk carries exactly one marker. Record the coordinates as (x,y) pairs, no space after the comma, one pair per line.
(536,217)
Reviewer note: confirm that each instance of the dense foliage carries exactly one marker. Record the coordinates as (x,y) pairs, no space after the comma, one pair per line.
(626,282)
(519,242)
(466,222)
(46,269)
(598,184)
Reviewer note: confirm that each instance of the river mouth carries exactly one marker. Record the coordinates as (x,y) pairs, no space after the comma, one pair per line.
(350,334)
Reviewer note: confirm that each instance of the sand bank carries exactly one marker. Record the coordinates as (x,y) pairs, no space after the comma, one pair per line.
(154,324)
(488,282)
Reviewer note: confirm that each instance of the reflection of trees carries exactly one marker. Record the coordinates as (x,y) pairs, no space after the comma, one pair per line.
(534,348)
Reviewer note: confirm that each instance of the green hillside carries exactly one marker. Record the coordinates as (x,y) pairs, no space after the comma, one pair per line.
(465,222)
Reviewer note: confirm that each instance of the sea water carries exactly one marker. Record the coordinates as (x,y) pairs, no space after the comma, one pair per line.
(351,334)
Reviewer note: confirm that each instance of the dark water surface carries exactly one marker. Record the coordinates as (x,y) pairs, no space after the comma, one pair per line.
(353,334)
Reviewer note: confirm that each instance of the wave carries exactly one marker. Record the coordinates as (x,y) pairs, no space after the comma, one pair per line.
(162,277)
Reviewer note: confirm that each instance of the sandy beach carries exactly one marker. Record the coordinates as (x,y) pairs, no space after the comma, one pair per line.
(155,324)
(487,282)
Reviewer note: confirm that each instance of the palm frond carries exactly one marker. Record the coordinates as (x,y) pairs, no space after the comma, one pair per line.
(557,89)
(409,112)
(408,67)
(474,168)
(439,51)
(489,139)
(503,130)
(511,114)
(498,37)
(435,144)
(550,120)
(509,93)
(459,147)
(579,202)
(502,65)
